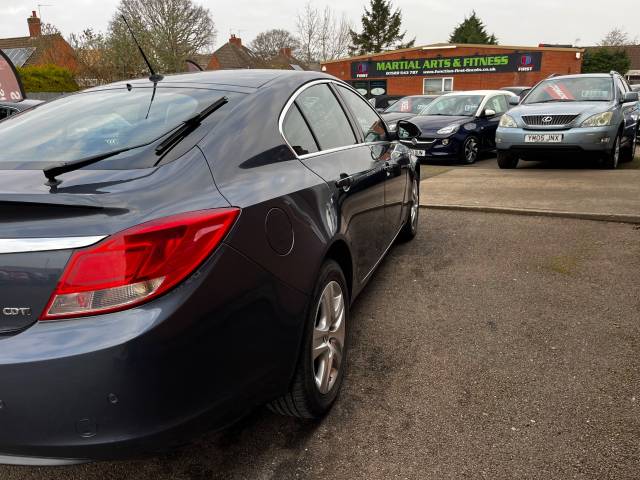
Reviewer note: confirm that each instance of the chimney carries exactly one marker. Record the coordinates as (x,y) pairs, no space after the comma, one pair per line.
(35,29)
(285,52)
(235,41)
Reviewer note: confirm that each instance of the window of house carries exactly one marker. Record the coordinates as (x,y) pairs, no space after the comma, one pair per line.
(437,85)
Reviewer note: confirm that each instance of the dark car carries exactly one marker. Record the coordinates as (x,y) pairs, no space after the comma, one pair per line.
(521,92)
(456,126)
(382,102)
(406,108)
(11,108)
(174,254)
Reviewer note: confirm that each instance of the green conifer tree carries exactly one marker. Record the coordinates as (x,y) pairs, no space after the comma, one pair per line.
(380,30)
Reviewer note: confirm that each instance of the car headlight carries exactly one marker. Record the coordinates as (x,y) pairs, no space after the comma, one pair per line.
(507,121)
(598,120)
(392,126)
(449,129)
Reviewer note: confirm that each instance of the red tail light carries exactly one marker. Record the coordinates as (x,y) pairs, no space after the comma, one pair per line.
(137,264)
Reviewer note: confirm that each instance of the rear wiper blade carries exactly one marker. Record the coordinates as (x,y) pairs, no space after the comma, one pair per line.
(552,100)
(52,172)
(189,125)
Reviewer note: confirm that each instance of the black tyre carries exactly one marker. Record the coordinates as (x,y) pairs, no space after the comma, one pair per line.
(628,154)
(612,157)
(320,368)
(410,228)
(469,151)
(507,160)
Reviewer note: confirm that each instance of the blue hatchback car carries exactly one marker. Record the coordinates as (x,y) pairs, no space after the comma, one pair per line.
(456,126)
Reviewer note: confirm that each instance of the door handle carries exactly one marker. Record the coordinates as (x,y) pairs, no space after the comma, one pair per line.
(344,182)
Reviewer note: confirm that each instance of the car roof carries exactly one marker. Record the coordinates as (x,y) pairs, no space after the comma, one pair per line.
(579,75)
(423,96)
(243,78)
(481,92)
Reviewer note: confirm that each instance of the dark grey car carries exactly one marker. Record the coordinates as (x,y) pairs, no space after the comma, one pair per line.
(11,108)
(174,254)
(406,108)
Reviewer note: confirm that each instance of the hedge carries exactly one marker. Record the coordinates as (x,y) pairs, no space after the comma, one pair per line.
(47,78)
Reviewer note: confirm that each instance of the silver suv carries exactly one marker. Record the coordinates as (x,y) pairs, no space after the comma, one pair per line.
(590,114)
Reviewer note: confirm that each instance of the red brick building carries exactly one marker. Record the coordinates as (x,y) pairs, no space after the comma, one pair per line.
(39,49)
(448,67)
(234,55)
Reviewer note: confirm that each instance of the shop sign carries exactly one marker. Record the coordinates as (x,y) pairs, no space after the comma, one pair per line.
(512,62)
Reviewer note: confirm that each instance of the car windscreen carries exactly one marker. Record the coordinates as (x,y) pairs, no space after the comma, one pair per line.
(454,105)
(572,89)
(97,122)
(409,105)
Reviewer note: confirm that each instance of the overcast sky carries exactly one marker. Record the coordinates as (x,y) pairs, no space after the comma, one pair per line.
(514,22)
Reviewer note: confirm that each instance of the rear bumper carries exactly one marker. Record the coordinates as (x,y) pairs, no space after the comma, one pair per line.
(140,380)
(577,140)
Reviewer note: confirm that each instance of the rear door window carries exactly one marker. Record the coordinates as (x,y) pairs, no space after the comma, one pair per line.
(371,124)
(297,133)
(326,118)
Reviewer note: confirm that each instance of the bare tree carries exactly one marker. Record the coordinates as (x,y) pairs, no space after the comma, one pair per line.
(617,37)
(308,25)
(324,34)
(334,37)
(94,58)
(170,30)
(268,44)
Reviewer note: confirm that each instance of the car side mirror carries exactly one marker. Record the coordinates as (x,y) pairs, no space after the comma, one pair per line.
(514,101)
(488,113)
(630,97)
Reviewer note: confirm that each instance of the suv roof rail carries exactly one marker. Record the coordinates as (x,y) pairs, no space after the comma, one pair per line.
(613,72)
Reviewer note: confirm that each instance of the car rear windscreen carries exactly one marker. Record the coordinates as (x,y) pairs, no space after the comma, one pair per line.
(100,121)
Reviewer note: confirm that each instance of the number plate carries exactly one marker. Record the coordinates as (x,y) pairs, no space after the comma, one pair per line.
(544,138)
(419,153)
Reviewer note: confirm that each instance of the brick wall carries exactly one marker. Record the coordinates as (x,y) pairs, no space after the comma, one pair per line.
(561,62)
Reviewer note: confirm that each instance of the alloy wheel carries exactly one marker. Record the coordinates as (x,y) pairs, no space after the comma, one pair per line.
(328,337)
(616,152)
(415,203)
(471,150)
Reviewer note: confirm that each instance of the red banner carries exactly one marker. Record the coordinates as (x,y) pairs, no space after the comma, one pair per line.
(10,86)
(558,91)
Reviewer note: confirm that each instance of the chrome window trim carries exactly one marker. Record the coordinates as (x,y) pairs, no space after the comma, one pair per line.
(24,245)
(290,102)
